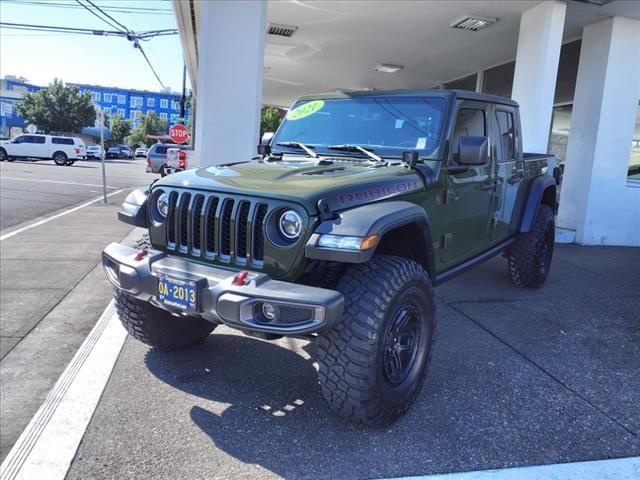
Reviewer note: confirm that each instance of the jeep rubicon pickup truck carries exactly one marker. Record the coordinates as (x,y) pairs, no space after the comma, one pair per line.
(338,231)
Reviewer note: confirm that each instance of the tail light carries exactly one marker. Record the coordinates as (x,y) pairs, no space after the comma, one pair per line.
(148,162)
(182,158)
(77,149)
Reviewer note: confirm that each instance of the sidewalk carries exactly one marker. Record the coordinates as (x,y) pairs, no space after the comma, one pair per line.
(53,291)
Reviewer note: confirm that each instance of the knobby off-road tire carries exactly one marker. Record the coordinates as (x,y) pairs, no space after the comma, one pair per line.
(144,242)
(373,364)
(530,256)
(158,328)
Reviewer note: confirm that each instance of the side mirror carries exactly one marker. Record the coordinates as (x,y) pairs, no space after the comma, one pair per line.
(472,150)
(266,138)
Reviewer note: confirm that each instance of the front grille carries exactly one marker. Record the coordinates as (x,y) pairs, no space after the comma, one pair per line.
(227,229)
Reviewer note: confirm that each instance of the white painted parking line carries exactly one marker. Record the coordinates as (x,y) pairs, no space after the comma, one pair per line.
(46,448)
(35,180)
(58,215)
(618,469)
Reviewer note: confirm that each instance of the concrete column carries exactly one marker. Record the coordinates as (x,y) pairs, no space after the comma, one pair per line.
(230,62)
(534,80)
(596,201)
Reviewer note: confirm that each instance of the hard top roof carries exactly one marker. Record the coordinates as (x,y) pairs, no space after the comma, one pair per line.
(462,94)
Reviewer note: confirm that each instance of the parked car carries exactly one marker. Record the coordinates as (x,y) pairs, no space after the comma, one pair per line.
(94,151)
(157,157)
(342,238)
(62,150)
(120,151)
(141,152)
(177,160)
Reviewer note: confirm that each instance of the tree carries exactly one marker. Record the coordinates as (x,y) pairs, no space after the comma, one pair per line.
(151,125)
(120,129)
(58,108)
(269,119)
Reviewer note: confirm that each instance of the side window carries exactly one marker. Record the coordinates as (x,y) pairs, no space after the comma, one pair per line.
(21,139)
(506,136)
(36,139)
(62,141)
(470,122)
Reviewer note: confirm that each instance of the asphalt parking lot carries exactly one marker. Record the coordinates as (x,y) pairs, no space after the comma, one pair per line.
(52,289)
(518,377)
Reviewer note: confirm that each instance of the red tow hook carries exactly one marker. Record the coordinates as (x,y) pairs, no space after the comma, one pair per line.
(141,254)
(241,277)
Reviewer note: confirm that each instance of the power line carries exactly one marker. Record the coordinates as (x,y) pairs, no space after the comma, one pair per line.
(56,29)
(95,14)
(139,47)
(104,13)
(109,8)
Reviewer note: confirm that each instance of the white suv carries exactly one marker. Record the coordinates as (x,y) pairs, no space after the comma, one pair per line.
(62,150)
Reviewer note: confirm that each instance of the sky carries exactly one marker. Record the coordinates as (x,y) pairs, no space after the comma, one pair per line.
(108,61)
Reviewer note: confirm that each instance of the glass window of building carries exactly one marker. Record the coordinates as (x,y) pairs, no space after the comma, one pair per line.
(151,102)
(108,97)
(164,103)
(634,157)
(567,72)
(174,105)
(95,96)
(499,80)
(136,102)
(163,116)
(121,99)
(466,83)
(121,112)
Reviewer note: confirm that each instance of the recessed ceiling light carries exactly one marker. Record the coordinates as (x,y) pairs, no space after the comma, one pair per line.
(473,23)
(388,68)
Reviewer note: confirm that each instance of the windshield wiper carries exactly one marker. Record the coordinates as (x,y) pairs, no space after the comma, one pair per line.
(299,145)
(356,148)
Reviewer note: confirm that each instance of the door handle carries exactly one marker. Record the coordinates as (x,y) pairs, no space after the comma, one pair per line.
(513,179)
(486,187)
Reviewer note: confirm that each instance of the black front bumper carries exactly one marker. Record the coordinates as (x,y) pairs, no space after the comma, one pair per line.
(221,299)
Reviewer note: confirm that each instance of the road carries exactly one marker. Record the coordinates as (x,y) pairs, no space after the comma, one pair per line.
(30,189)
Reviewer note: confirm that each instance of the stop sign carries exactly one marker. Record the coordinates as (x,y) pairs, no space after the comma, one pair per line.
(179,133)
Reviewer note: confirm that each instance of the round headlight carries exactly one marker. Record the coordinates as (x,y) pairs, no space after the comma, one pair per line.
(162,205)
(290,224)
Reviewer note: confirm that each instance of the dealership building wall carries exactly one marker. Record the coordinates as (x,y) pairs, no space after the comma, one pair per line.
(579,96)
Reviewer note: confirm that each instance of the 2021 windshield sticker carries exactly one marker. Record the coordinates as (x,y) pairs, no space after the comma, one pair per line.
(305,110)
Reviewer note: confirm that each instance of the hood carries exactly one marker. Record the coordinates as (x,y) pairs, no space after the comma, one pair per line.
(342,184)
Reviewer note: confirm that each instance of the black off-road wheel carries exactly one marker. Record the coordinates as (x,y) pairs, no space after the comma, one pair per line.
(531,254)
(373,364)
(60,158)
(157,327)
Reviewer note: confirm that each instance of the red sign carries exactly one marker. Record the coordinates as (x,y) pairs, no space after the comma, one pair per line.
(179,133)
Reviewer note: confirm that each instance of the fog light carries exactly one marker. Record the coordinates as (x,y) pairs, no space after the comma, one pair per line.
(270,311)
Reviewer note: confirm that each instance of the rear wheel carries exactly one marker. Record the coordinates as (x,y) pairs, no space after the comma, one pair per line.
(163,171)
(157,327)
(530,256)
(60,158)
(373,364)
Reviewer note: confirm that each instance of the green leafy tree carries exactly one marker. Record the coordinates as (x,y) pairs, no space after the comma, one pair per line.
(120,129)
(151,125)
(269,119)
(58,108)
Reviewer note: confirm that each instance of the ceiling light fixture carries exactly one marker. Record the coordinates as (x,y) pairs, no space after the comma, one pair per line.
(473,23)
(388,68)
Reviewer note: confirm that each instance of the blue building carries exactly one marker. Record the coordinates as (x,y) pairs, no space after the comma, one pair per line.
(127,103)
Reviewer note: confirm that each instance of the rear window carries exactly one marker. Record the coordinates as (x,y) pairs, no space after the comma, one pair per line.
(161,149)
(62,141)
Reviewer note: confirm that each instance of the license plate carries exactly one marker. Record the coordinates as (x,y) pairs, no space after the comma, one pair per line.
(178,293)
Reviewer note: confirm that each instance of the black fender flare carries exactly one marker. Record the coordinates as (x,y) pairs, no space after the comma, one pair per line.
(134,209)
(372,219)
(537,189)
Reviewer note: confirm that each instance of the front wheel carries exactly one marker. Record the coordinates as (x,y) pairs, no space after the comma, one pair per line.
(530,256)
(60,158)
(373,364)
(157,327)
(3,155)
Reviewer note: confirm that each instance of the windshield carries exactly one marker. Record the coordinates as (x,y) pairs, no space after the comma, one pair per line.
(386,125)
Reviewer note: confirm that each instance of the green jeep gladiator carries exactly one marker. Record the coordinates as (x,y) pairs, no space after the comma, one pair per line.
(338,231)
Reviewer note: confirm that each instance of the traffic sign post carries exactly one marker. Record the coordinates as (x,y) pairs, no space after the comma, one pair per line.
(179,133)
(100,122)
